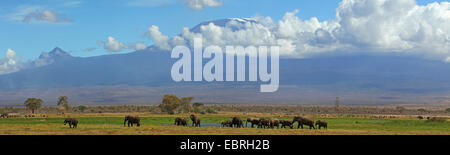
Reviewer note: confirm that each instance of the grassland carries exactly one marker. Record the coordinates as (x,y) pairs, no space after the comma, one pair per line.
(159,124)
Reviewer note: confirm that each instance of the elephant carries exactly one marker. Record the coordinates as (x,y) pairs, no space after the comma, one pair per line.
(285,123)
(321,123)
(253,121)
(237,122)
(263,123)
(274,123)
(132,120)
(73,122)
(180,121)
(227,124)
(195,120)
(303,121)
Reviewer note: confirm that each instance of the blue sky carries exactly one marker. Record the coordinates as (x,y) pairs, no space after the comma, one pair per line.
(84,22)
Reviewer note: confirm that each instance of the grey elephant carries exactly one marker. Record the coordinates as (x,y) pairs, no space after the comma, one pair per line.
(73,122)
(274,123)
(321,123)
(263,123)
(132,120)
(180,121)
(285,123)
(195,120)
(253,121)
(237,122)
(303,121)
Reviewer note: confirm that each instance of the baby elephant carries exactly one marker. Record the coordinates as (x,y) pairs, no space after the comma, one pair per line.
(321,123)
(285,123)
(72,122)
(180,121)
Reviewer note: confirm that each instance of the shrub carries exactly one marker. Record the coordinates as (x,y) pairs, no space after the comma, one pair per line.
(421,110)
(211,111)
(197,104)
(82,108)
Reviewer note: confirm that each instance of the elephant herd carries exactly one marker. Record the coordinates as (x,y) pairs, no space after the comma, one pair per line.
(273,122)
(183,122)
(234,122)
(260,122)
(73,122)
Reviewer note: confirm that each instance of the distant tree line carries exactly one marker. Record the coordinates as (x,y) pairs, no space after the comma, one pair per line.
(172,104)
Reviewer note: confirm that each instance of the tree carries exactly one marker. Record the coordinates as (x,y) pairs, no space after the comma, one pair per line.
(421,110)
(82,108)
(197,104)
(186,103)
(33,104)
(447,110)
(64,101)
(170,103)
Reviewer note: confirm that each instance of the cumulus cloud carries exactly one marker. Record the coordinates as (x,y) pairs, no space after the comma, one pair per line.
(359,26)
(10,63)
(113,45)
(36,13)
(139,46)
(160,40)
(200,4)
(45,15)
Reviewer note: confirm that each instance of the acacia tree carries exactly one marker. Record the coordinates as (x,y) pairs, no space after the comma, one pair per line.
(64,102)
(33,104)
(170,103)
(186,103)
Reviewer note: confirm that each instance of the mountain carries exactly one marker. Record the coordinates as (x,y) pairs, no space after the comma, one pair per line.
(144,76)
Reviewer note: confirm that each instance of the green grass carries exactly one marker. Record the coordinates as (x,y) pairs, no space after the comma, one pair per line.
(114,125)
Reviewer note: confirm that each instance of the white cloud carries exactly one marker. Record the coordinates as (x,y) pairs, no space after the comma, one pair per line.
(139,46)
(36,13)
(200,4)
(10,63)
(159,39)
(359,26)
(45,15)
(112,45)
